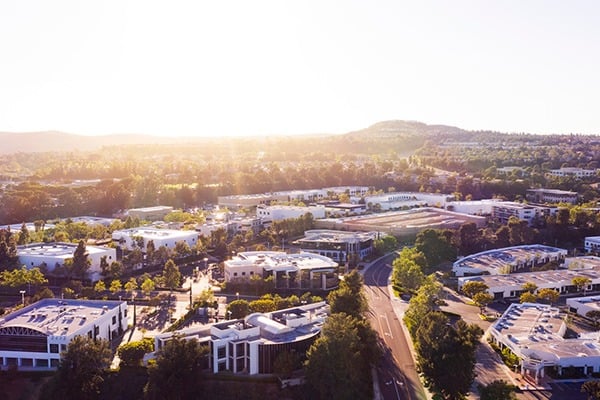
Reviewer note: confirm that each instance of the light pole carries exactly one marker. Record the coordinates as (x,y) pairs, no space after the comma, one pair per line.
(134,310)
(191,281)
(22,297)
(205,262)
(237,294)
(229,313)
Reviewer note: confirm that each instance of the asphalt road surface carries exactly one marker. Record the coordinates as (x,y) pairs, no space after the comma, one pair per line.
(397,374)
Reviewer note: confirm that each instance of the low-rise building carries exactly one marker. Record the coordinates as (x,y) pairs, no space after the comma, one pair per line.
(251,345)
(132,238)
(297,271)
(157,213)
(583,305)
(574,172)
(561,280)
(399,200)
(535,333)
(238,201)
(56,254)
(91,221)
(340,246)
(34,336)
(280,212)
(592,244)
(552,196)
(507,260)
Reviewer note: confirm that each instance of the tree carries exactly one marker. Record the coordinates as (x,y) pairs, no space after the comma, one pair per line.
(498,390)
(81,262)
(176,373)
(446,355)
(529,287)
(81,370)
(594,315)
(592,389)
(238,309)
(528,297)
(407,273)
(549,295)
(171,275)
(421,304)
(132,353)
(482,299)
(115,286)
(286,362)
(335,365)
(471,288)
(131,285)
(100,287)
(436,245)
(262,306)
(147,286)
(22,277)
(581,282)
(24,237)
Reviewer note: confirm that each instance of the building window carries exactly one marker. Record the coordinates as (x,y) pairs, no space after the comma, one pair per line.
(53,348)
(114,319)
(221,352)
(63,347)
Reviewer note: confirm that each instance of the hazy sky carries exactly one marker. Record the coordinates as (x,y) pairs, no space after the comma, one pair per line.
(285,67)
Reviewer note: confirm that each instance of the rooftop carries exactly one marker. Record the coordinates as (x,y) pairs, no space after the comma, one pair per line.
(280,261)
(56,317)
(536,331)
(326,235)
(150,233)
(495,260)
(64,250)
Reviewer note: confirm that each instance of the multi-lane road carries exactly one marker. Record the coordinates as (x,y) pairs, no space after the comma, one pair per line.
(396,373)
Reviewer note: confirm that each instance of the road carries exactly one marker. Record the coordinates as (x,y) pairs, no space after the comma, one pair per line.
(397,374)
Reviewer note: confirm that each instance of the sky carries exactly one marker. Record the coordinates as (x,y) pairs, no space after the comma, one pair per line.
(236,68)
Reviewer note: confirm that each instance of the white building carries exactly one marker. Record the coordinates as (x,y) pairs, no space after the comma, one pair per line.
(583,305)
(507,260)
(572,171)
(305,196)
(298,271)
(473,207)
(502,211)
(535,334)
(34,336)
(561,280)
(156,213)
(235,202)
(553,196)
(90,221)
(53,254)
(139,237)
(592,244)
(352,191)
(251,345)
(398,200)
(338,245)
(278,213)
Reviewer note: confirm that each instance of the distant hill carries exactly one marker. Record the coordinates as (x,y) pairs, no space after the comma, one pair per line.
(379,136)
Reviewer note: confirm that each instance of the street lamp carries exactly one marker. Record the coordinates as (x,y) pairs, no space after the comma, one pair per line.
(134,310)
(237,294)
(205,262)
(229,313)
(22,296)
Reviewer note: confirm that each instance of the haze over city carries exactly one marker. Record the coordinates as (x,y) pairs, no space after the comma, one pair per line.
(269,67)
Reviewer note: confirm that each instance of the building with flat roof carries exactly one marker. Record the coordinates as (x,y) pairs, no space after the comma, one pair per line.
(251,345)
(352,191)
(281,212)
(535,333)
(131,238)
(34,336)
(507,260)
(338,245)
(553,196)
(583,305)
(92,220)
(294,271)
(399,200)
(56,254)
(511,286)
(237,201)
(402,223)
(592,244)
(156,213)
(573,171)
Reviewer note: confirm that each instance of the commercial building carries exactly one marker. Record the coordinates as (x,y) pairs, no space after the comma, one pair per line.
(561,280)
(340,246)
(507,260)
(91,221)
(592,244)
(535,333)
(56,254)
(132,238)
(401,223)
(352,191)
(157,213)
(251,345)
(552,196)
(574,172)
(279,212)
(400,200)
(294,271)
(583,305)
(34,336)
